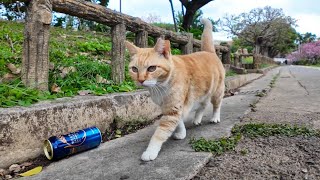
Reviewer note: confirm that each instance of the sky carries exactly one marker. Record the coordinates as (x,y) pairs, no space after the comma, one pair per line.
(306,12)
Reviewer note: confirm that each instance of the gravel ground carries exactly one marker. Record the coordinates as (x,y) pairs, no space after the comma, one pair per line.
(267,158)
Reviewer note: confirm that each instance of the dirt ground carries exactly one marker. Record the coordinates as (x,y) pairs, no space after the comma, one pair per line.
(267,158)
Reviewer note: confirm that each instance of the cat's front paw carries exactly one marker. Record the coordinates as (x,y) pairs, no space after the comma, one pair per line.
(215,120)
(149,155)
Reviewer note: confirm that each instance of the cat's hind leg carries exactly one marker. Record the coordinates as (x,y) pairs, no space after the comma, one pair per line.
(199,113)
(180,132)
(216,101)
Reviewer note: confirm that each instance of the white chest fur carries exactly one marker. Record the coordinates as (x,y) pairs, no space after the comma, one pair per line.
(158,94)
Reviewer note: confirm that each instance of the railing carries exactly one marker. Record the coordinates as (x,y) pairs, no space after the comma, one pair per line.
(39,15)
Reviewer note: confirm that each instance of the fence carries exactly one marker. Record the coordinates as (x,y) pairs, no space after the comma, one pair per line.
(35,59)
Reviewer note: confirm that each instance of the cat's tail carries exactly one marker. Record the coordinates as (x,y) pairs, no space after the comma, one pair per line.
(206,38)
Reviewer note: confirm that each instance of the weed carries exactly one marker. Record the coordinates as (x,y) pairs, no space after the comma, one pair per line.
(244,152)
(260,94)
(218,146)
(265,130)
(273,81)
(224,144)
(230,73)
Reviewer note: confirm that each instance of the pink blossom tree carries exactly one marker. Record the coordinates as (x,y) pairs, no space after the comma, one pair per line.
(308,51)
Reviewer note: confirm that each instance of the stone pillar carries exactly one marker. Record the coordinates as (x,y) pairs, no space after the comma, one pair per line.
(142,39)
(236,60)
(256,61)
(188,48)
(228,55)
(118,34)
(35,59)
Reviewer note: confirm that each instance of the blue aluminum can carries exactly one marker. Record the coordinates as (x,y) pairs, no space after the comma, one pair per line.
(58,147)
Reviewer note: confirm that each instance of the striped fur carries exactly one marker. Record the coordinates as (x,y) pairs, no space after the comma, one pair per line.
(179,84)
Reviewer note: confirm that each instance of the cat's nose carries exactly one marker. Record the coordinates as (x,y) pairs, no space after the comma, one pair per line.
(141,81)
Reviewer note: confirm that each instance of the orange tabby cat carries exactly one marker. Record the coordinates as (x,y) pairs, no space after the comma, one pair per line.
(178,84)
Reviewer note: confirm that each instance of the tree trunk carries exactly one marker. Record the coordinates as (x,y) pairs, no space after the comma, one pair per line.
(187,19)
(35,60)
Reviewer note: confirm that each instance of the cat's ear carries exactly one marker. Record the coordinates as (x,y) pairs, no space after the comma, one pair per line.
(163,47)
(131,48)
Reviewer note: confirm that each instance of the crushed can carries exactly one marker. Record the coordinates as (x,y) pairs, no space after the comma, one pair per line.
(58,147)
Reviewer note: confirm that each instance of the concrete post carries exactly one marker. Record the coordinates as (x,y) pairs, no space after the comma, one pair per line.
(118,34)
(188,48)
(35,59)
(142,39)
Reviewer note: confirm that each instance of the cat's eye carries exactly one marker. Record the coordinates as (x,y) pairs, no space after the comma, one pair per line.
(134,69)
(152,68)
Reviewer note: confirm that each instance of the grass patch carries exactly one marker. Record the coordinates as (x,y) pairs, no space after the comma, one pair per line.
(315,65)
(224,144)
(247,60)
(266,130)
(218,146)
(87,53)
(231,73)
(264,65)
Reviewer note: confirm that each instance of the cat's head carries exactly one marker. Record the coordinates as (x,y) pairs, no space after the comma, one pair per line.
(150,66)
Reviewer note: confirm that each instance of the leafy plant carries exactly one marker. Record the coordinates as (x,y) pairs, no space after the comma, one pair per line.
(87,53)
(224,144)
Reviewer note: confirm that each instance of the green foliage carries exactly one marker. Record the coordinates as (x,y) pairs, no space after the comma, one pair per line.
(87,52)
(96,47)
(218,146)
(175,51)
(12,31)
(224,144)
(196,27)
(14,93)
(230,73)
(167,26)
(247,60)
(266,130)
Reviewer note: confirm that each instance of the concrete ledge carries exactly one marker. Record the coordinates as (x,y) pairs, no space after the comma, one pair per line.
(240,80)
(261,71)
(23,129)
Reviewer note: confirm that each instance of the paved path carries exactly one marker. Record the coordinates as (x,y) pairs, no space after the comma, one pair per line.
(120,158)
(295,99)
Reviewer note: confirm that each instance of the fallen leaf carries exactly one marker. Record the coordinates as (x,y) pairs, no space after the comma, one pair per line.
(14,168)
(3,172)
(32,172)
(84,92)
(8,177)
(84,54)
(100,79)
(67,70)
(55,88)
(51,66)
(13,68)
(8,77)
